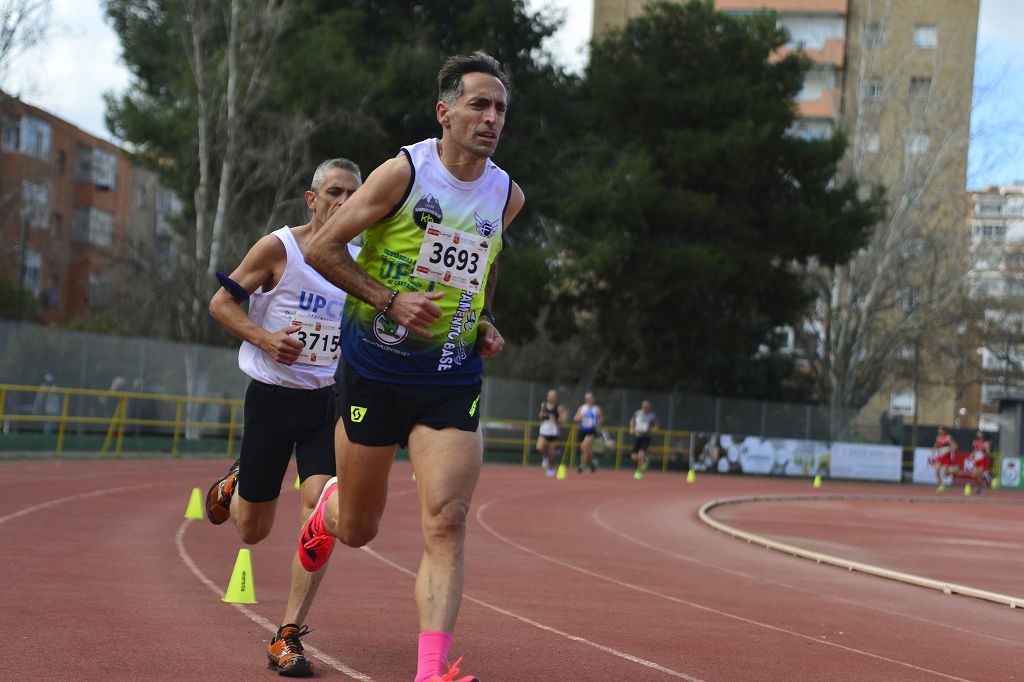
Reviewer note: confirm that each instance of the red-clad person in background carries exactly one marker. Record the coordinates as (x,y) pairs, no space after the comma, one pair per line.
(981,451)
(942,456)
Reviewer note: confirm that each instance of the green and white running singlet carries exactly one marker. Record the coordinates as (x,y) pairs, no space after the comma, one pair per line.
(443,236)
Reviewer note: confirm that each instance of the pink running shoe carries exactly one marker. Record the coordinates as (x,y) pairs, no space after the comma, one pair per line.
(451,675)
(315,543)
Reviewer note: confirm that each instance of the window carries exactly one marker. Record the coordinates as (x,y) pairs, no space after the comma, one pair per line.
(874,90)
(104,168)
(62,160)
(96,165)
(32,276)
(93,226)
(906,298)
(35,204)
(874,35)
(870,142)
(991,393)
(988,233)
(83,163)
(906,351)
(917,143)
(11,141)
(26,135)
(926,36)
(990,207)
(902,403)
(920,87)
(991,361)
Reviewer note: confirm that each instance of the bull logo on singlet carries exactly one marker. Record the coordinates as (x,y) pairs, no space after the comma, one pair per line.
(427,210)
(388,331)
(486,228)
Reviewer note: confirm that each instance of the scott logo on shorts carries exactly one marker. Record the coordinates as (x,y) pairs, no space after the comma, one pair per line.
(357,413)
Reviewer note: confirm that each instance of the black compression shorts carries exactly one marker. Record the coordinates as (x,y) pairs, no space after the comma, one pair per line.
(376,413)
(277,421)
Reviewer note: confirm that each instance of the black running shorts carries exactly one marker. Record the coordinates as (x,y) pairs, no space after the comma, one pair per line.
(279,420)
(376,413)
(641,442)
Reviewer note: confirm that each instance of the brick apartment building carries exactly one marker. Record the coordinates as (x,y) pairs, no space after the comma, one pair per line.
(73,208)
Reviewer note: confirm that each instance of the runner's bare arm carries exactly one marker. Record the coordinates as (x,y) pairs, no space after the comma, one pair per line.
(489,340)
(328,251)
(262,266)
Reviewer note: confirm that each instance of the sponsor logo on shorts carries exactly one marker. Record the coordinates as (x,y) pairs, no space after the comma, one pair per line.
(472,408)
(357,413)
(388,331)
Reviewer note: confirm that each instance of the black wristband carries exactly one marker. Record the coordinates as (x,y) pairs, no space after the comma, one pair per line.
(489,315)
(391,300)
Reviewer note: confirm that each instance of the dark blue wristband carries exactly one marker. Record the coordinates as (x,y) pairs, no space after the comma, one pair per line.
(236,290)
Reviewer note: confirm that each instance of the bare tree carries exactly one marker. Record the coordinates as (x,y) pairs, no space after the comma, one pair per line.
(896,300)
(23,25)
(230,87)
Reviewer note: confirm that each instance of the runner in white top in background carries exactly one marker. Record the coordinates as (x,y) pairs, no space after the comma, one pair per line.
(551,414)
(291,342)
(642,425)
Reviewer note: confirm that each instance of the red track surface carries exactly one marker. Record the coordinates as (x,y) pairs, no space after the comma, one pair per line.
(593,578)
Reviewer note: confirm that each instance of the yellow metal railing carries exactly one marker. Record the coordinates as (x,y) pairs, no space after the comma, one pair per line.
(519,436)
(117,422)
(614,440)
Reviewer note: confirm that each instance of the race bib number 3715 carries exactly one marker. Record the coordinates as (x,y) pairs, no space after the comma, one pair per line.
(449,256)
(320,339)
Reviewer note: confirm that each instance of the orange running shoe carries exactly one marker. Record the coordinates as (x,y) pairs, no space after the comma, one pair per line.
(451,675)
(218,499)
(285,654)
(315,543)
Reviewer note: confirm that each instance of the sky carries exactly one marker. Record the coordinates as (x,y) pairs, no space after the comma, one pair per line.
(81,60)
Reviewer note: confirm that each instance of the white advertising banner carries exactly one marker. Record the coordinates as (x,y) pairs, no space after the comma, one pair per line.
(1009,473)
(924,467)
(865,461)
(777,456)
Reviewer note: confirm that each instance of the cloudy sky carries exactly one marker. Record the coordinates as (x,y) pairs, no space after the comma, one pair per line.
(80,62)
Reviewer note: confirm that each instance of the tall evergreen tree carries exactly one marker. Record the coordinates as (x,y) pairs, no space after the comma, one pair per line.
(690,201)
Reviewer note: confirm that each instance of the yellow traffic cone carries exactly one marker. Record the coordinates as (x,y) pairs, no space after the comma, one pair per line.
(194,510)
(817,480)
(691,476)
(298,483)
(241,589)
(561,472)
(967,489)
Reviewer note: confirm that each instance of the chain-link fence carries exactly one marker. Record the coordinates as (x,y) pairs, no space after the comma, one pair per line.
(33,355)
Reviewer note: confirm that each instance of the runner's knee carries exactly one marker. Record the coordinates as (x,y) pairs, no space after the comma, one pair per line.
(252,531)
(447,524)
(356,532)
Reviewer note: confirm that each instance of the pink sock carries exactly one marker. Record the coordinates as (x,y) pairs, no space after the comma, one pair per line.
(433,649)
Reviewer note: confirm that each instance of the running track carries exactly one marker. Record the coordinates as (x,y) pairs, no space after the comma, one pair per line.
(593,578)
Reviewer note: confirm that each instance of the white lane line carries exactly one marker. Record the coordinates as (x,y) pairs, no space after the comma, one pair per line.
(70,498)
(596,514)
(694,605)
(548,628)
(179,539)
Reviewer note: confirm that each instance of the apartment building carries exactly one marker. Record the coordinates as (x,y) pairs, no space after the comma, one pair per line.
(992,363)
(896,77)
(73,210)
